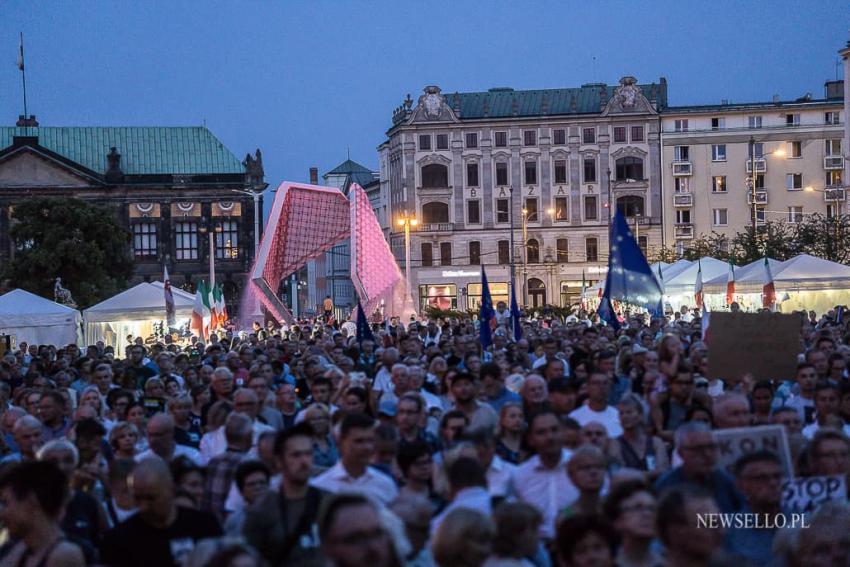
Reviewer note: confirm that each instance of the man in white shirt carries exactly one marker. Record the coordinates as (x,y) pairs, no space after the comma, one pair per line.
(542,480)
(352,473)
(214,443)
(596,407)
(468,487)
(160,429)
(827,411)
(383,379)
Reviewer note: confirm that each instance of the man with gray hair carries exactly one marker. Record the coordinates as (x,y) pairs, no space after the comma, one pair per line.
(698,448)
(29,436)
(160,429)
(732,410)
(214,443)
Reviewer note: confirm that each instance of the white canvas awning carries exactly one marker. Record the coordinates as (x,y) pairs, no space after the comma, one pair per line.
(36,320)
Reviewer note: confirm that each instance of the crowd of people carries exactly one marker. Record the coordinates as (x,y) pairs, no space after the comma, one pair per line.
(306,445)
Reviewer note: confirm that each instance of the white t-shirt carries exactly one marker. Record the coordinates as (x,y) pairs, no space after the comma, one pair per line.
(609,417)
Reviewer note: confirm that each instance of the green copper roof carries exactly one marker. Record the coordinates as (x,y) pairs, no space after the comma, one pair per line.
(144,150)
(349,166)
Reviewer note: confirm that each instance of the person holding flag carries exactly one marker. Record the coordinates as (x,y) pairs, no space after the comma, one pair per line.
(730,284)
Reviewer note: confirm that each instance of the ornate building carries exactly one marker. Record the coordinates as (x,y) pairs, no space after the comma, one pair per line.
(173,188)
(480,170)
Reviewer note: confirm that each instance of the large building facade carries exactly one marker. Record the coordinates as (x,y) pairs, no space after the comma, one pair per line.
(539,169)
(174,189)
(709,152)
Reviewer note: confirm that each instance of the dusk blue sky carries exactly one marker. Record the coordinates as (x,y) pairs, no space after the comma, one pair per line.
(306,81)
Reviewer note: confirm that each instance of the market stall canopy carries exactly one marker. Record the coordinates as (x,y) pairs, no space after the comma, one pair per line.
(752,272)
(667,271)
(674,269)
(142,302)
(800,273)
(36,320)
(683,282)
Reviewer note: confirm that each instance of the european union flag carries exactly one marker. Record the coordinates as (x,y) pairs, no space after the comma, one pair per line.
(607,313)
(364,333)
(487,314)
(517,327)
(629,279)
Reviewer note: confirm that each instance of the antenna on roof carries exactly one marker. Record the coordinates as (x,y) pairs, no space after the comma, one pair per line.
(837,67)
(593,68)
(348,150)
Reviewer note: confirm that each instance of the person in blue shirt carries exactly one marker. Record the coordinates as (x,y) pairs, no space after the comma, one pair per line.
(494,386)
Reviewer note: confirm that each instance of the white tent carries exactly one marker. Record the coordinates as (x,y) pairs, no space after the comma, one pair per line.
(36,320)
(679,290)
(133,312)
(752,272)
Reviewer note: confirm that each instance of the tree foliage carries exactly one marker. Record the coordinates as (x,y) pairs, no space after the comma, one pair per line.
(68,238)
(827,238)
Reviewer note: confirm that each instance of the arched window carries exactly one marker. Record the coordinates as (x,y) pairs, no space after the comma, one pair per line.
(532,251)
(433,213)
(629,168)
(630,206)
(435,175)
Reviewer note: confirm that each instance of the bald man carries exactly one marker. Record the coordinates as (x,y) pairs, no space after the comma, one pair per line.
(160,429)
(214,443)
(161,533)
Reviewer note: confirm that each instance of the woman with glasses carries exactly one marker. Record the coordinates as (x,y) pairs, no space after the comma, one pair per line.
(630,507)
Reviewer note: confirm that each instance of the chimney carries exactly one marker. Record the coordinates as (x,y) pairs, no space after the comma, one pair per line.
(24,122)
(834,89)
(776,99)
(314,176)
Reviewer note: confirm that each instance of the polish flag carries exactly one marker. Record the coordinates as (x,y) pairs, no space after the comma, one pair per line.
(698,288)
(730,284)
(768,293)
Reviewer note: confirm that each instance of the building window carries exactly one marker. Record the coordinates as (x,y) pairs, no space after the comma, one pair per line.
(445,253)
(792,119)
(501,173)
(436,212)
(637,133)
(753,121)
(427,252)
(629,168)
(442,141)
(832,117)
(795,149)
(833,178)
(561,209)
(560,171)
(186,240)
(475,253)
(760,181)
(424,142)
(144,240)
(501,139)
(529,138)
(588,135)
(473,212)
(794,181)
(504,252)
(683,216)
(472,139)
(718,123)
(758,148)
(630,206)
(619,134)
(682,185)
(720,217)
(591,208)
(531,173)
(760,214)
(680,126)
(682,153)
(503,210)
(498,292)
(532,251)
(531,210)
(718,184)
(560,136)
(562,245)
(831,211)
(472,175)
(227,240)
(435,175)
(795,214)
(832,147)
(591,249)
(718,152)
(590,170)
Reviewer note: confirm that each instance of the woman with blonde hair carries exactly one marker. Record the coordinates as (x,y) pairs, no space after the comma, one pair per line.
(123,439)
(510,431)
(91,397)
(463,539)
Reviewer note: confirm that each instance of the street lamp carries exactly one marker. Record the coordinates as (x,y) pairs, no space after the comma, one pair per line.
(255,195)
(203,229)
(407,221)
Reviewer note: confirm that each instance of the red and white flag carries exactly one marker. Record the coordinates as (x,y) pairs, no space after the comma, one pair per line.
(768,293)
(730,284)
(698,288)
(169,299)
(705,322)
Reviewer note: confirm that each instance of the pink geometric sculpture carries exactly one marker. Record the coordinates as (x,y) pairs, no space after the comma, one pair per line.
(308,220)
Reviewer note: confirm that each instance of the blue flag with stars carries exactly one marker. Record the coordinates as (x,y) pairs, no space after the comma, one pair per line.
(515,323)
(629,279)
(364,333)
(487,314)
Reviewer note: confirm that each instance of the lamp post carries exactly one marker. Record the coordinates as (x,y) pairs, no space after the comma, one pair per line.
(610,210)
(524,257)
(753,177)
(407,221)
(255,195)
(513,249)
(203,229)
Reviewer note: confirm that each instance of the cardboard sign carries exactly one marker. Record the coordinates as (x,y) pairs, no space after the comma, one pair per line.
(805,495)
(762,344)
(734,443)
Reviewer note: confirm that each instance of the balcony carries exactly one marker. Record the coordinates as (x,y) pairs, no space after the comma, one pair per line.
(761,198)
(682,168)
(435,227)
(683,230)
(833,162)
(761,165)
(683,200)
(834,195)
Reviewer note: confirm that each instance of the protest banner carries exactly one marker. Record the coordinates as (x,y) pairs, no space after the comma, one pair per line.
(734,443)
(762,344)
(804,495)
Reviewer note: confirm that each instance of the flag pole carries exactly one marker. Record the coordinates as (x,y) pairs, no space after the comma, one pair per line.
(22,67)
